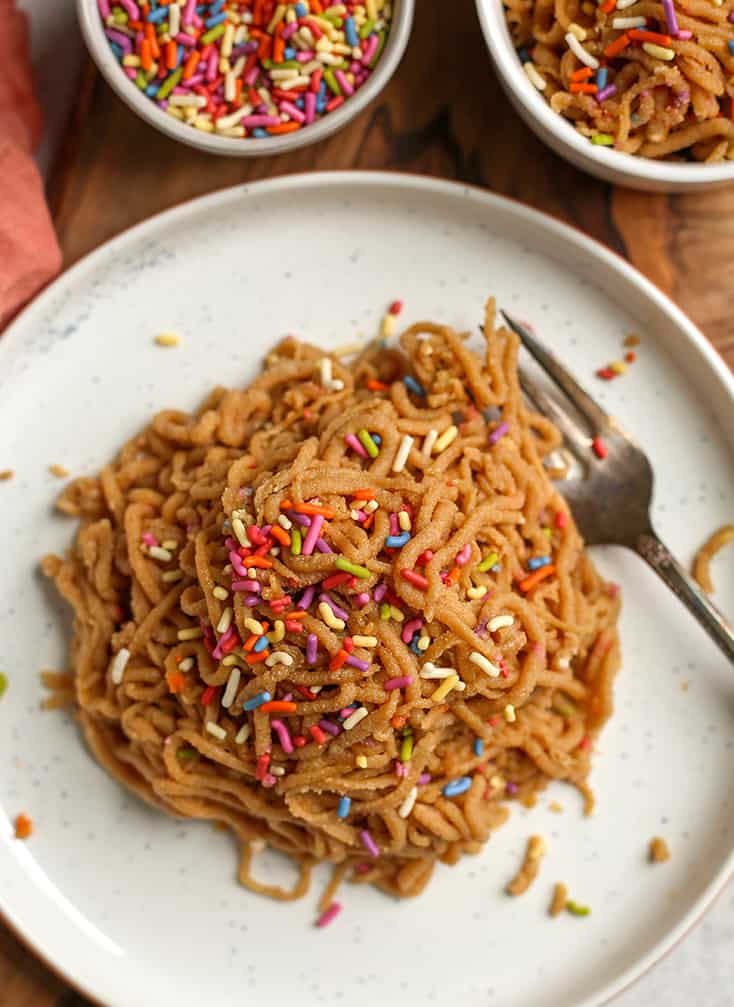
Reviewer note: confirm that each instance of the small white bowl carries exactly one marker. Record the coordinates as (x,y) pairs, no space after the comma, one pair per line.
(99,48)
(610,165)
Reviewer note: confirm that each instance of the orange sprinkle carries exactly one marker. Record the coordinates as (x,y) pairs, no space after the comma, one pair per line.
(535,577)
(255,658)
(363,495)
(379,386)
(146,55)
(278,706)
(191,64)
(153,39)
(280,534)
(585,72)
(583,88)
(398,721)
(296,615)
(338,660)
(284,127)
(261,561)
(23,827)
(306,508)
(286,505)
(171,55)
(175,681)
(641,35)
(608,6)
(369,522)
(614,48)
(453,575)
(250,642)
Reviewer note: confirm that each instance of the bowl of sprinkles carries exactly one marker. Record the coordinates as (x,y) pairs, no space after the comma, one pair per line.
(637,92)
(246,77)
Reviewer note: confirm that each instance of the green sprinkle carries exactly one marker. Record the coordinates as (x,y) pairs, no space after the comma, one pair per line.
(332,82)
(563,705)
(603,139)
(287,64)
(488,562)
(213,34)
(548,532)
(334,19)
(366,29)
(169,83)
(120,16)
(378,50)
(385,611)
(367,443)
(406,748)
(354,568)
(186,753)
(3,684)
(141,80)
(296,541)
(576,910)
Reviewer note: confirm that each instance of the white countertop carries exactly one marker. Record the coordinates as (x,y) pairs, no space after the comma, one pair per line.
(697,973)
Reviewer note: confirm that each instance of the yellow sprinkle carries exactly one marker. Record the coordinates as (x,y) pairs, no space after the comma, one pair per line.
(194,633)
(619,367)
(364,641)
(329,618)
(445,688)
(424,643)
(167,339)
(404,520)
(388,326)
(346,350)
(446,438)
(476,592)
(278,631)
(59,471)
(361,761)
(239,530)
(658,51)
(396,614)
(170,543)
(225,620)
(169,576)
(509,713)
(254,626)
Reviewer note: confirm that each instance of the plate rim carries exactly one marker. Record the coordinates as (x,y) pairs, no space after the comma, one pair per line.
(444,188)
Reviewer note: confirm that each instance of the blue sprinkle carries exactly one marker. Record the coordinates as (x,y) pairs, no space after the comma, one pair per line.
(212,22)
(497,568)
(320,105)
(214,8)
(523,55)
(258,700)
(413,386)
(731,47)
(478,746)
(377,439)
(456,787)
(350,31)
(156,16)
(152,90)
(179,55)
(260,133)
(397,541)
(261,645)
(536,562)
(117,50)
(601,77)
(301,9)
(300,103)
(289,54)
(345,804)
(414,645)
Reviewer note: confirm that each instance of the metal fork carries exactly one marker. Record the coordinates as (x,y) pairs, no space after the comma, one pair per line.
(610,502)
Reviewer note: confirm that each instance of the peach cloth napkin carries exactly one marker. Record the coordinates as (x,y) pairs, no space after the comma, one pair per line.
(29,252)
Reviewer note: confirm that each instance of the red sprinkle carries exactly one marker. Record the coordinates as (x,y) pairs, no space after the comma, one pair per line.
(600,448)
(262,766)
(317,734)
(304,691)
(335,580)
(395,308)
(585,742)
(293,627)
(561,519)
(416,579)
(208,695)
(299,741)
(630,357)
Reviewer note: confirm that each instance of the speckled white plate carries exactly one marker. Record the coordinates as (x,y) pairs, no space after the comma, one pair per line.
(138,909)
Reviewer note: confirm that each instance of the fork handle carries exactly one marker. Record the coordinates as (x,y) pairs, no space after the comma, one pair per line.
(680,582)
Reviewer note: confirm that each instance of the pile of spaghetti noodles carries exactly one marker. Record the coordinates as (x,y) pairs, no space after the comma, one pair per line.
(342,610)
(650,78)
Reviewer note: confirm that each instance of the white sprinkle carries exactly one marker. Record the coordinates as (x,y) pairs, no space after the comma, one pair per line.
(257,845)
(285,522)
(239,530)
(624,4)
(225,621)
(429,670)
(447,437)
(460,686)
(174,19)
(279,657)
(242,735)
(348,348)
(216,730)
(628,22)
(236,131)
(510,715)
(364,641)
(658,51)
(484,665)
(424,642)
(187,664)
(325,366)
(230,692)
(407,806)
(355,515)
(577,31)
(536,79)
(187,100)
(229,121)
(499,622)
(170,543)
(229,87)
(564,662)
(428,442)
(403,451)
(119,663)
(580,53)
(276,770)
(370,506)
(354,718)
(193,633)
(221,593)
(158,552)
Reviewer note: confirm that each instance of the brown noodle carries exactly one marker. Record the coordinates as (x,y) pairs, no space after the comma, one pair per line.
(185,479)
(662,108)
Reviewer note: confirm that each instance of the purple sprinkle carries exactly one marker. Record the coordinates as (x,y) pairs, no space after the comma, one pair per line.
(251,586)
(368,842)
(307,597)
(252,600)
(670,17)
(119,38)
(512,788)
(302,519)
(499,432)
(131,9)
(312,646)
(394,526)
(333,729)
(424,778)
(355,662)
(379,592)
(338,612)
(481,628)
(606,92)
(312,534)
(323,546)
(398,683)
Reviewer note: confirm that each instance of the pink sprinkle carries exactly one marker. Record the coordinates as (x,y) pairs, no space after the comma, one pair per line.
(237,565)
(252,121)
(344,86)
(401,770)
(424,778)
(369,843)
(312,534)
(363,598)
(283,735)
(380,592)
(269,780)
(354,444)
(410,627)
(291,110)
(247,585)
(289,30)
(130,8)
(402,682)
(189,12)
(104,8)
(512,788)
(132,73)
(334,909)
(185,39)
(150,540)
(464,555)
(394,526)
(370,48)
(684,34)
(310,110)
(499,432)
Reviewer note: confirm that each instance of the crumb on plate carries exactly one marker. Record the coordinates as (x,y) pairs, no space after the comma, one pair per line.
(59,471)
(659,850)
(559,900)
(534,852)
(6,474)
(23,826)
(167,339)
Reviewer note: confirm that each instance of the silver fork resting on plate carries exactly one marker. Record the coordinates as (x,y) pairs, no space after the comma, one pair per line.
(611,501)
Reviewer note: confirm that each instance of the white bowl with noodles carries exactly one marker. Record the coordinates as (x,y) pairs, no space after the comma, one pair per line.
(559,134)
(100,51)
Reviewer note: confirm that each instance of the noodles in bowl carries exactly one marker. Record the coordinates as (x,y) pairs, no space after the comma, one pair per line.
(343,610)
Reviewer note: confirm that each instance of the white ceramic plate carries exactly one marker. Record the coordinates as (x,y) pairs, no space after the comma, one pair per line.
(139,909)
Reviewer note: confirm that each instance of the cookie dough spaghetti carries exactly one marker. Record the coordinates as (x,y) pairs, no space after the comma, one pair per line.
(342,610)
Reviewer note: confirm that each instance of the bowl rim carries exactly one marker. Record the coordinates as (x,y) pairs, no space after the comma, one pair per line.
(100,51)
(606,161)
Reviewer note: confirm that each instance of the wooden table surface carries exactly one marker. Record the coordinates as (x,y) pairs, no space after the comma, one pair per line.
(443,114)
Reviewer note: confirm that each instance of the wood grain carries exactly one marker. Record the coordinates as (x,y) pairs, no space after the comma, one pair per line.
(442,114)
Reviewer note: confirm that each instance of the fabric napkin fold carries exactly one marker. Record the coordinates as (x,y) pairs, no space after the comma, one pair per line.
(29,252)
